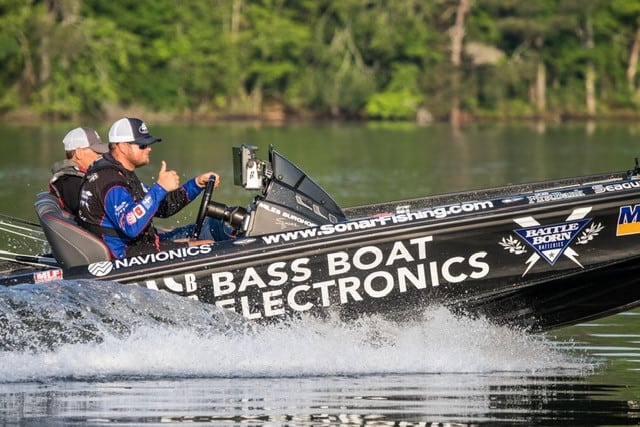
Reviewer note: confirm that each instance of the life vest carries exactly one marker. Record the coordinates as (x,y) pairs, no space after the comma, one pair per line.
(92,210)
(63,168)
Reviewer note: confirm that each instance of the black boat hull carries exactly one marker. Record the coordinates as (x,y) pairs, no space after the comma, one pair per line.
(536,256)
(403,268)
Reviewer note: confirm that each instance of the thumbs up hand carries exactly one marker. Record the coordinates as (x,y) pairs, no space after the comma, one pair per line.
(168,179)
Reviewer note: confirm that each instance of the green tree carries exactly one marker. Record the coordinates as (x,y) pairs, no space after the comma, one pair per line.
(626,17)
(336,58)
(18,52)
(278,41)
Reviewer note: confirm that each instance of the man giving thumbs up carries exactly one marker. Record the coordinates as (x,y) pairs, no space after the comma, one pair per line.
(116,206)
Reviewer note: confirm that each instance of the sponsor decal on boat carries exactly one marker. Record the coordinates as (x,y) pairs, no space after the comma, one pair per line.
(335,278)
(550,196)
(100,269)
(379,221)
(342,277)
(628,220)
(186,284)
(47,276)
(552,241)
(609,188)
(287,219)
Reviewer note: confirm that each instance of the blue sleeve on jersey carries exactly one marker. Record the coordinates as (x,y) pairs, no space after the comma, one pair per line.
(192,189)
(124,214)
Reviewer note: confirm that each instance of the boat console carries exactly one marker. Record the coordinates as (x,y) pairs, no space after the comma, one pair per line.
(288,198)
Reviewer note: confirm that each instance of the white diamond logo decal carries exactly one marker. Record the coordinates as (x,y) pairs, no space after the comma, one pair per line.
(550,241)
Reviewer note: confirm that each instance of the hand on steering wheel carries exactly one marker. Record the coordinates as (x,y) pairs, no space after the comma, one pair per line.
(206,198)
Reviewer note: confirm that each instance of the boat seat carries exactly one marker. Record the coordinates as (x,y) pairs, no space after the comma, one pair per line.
(71,244)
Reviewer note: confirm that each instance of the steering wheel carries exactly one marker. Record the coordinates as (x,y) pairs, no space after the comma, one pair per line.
(202,212)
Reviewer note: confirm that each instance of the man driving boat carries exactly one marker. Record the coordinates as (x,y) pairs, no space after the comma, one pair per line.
(117,207)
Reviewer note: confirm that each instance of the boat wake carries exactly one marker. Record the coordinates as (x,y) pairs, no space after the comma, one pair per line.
(88,330)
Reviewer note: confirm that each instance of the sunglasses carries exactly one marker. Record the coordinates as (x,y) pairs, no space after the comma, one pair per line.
(140,146)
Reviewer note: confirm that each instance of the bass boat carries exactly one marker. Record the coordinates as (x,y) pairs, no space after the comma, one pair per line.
(537,256)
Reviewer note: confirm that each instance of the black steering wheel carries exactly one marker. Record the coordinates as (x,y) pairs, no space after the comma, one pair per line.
(202,212)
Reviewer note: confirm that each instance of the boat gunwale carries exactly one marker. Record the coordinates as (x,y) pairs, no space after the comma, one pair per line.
(353,238)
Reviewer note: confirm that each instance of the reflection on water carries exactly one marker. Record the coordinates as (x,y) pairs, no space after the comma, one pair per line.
(146,357)
(466,399)
(614,343)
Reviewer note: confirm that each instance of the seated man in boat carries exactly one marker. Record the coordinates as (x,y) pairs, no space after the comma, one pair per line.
(82,147)
(116,206)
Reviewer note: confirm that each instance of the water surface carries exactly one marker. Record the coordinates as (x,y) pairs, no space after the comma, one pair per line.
(94,353)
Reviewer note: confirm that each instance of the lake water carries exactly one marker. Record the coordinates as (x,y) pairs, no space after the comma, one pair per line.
(87,353)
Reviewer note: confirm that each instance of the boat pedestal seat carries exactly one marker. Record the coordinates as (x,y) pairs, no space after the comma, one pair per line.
(71,244)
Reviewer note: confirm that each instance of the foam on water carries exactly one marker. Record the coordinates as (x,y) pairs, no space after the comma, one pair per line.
(92,330)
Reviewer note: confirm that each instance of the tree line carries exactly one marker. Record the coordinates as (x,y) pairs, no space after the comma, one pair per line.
(343,59)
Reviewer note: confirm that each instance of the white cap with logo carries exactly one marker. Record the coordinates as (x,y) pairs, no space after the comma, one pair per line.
(131,130)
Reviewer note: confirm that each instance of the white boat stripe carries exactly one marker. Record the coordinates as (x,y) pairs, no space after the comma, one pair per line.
(579,213)
(527,221)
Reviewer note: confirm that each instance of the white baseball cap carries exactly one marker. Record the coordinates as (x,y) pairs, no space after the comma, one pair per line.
(84,138)
(131,130)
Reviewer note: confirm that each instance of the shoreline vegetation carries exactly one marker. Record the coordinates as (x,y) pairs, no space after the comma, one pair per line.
(278,117)
(456,61)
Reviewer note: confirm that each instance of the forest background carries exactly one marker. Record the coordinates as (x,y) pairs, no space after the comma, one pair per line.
(419,60)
